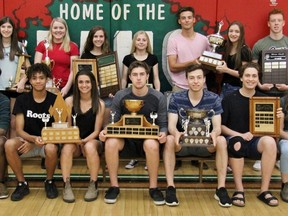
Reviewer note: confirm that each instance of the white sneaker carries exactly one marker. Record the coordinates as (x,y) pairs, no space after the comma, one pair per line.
(257,165)
(278,164)
(131,164)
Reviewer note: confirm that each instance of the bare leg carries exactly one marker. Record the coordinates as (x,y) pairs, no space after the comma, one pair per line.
(13,158)
(221,160)
(169,160)
(66,159)
(151,148)
(92,158)
(51,159)
(112,148)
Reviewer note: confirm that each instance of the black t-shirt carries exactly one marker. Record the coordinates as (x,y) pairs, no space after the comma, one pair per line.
(151,60)
(33,111)
(246,56)
(236,111)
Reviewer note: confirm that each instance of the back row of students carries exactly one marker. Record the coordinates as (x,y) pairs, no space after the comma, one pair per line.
(58,34)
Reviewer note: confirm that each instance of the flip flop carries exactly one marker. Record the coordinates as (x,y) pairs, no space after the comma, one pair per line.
(235,198)
(267,200)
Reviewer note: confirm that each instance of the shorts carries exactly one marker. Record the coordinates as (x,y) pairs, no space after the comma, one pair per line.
(250,150)
(4,112)
(194,151)
(35,152)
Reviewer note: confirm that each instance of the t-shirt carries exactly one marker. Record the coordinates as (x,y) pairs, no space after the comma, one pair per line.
(209,101)
(154,101)
(85,122)
(8,68)
(34,112)
(267,43)
(246,57)
(62,60)
(186,50)
(236,111)
(151,61)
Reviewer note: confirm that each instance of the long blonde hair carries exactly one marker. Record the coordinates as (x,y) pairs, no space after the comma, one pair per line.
(133,48)
(66,40)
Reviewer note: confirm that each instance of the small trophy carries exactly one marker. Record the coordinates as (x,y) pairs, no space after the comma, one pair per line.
(45,119)
(196,126)
(112,113)
(153,116)
(213,59)
(74,120)
(47,60)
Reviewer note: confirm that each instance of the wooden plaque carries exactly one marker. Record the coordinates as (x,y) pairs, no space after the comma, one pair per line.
(274,66)
(89,64)
(108,74)
(263,119)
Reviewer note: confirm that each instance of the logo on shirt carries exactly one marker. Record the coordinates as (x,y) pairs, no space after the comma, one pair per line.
(30,114)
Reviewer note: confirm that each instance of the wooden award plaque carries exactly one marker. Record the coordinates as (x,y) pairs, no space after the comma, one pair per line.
(274,66)
(263,119)
(133,126)
(60,132)
(80,64)
(108,74)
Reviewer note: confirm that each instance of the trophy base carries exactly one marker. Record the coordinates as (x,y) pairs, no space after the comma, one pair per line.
(211,59)
(60,125)
(60,135)
(196,141)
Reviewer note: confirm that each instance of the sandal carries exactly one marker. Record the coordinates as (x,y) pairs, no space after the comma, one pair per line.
(241,199)
(268,200)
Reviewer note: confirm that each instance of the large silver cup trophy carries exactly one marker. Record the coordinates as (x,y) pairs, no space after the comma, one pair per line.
(196,125)
(212,59)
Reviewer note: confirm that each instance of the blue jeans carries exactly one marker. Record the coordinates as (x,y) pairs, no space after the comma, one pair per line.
(228,89)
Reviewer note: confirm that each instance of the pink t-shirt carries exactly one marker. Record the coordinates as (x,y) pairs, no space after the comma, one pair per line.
(186,50)
(62,60)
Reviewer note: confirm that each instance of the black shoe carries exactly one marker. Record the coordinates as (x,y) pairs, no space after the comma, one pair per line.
(157,196)
(21,190)
(197,164)
(171,199)
(222,196)
(111,195)
(51,189)
(178,164)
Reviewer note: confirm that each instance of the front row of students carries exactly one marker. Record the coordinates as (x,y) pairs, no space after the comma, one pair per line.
(238,142)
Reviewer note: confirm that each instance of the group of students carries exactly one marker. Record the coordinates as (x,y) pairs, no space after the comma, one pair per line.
(230,134)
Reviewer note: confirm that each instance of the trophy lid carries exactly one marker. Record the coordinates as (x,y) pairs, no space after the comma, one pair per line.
(133,105)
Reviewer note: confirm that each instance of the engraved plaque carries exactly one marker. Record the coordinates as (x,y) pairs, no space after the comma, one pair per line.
(108,74)
(274,66)
(263,119)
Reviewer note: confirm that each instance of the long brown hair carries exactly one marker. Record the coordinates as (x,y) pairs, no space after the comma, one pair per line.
(14,39)
(94,92)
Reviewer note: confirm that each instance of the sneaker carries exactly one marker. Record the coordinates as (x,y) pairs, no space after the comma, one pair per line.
(51,189)
(21,190)
(145,167)
(222,196)
(171,199)
(111,195)
(197,164)
(68,195)
(257,165)
(284,192)
(92,192)
(157,196)
(277,164)
(3,191)
(131,164)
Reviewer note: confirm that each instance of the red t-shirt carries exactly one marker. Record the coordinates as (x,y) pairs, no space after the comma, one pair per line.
(61,69)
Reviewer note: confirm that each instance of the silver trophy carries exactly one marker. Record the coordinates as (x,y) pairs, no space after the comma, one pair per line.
(213,59)
(24,44)
(45,119)
(74,120)
(153,116)
(112,113)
